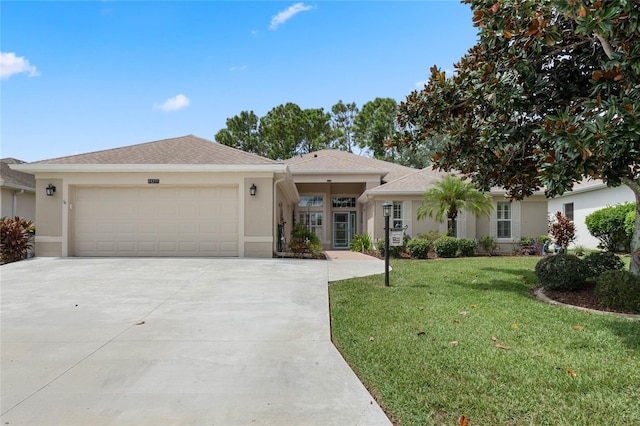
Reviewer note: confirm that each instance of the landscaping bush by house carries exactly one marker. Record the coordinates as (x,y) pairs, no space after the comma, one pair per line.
(488,244)
(618,289)
(598,262)
(394,251)
(563,272)
(361,243)
(608,225)
(467,246)
(446,246)
(419,248)
(304,242)
(15,238)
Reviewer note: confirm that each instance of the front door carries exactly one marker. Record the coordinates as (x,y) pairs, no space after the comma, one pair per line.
(344,228)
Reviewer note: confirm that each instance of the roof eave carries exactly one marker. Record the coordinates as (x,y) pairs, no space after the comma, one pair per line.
(132,168)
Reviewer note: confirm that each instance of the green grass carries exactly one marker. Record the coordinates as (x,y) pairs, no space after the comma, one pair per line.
(398,341)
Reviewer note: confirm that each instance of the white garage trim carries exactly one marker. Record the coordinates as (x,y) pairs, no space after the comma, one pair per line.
(156,221)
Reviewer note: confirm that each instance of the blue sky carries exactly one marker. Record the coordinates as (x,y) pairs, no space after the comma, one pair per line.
(90,75)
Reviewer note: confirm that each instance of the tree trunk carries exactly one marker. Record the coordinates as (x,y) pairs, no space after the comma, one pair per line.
(634,266)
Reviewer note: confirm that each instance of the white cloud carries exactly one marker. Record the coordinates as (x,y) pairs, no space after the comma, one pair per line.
(241,68)
(421,84)
(173,104)
(11,64)
(287,14)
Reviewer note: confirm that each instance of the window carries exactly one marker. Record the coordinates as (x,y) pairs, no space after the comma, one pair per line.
(313,222)
(568,210)
(396,215)
(503,213)
(311,201)
(344,202)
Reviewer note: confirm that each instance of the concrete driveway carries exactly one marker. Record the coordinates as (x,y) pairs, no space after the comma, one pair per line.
(176,341)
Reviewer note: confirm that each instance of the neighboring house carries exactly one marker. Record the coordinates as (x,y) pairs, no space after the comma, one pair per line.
(587,197)
(188,196)
(17,191)
(184,196)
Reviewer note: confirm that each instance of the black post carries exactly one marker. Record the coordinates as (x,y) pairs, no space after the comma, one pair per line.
(386,251)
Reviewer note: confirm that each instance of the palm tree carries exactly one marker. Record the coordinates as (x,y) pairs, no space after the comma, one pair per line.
(450,195)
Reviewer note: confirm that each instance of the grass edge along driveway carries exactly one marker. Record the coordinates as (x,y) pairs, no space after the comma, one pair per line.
(465,337)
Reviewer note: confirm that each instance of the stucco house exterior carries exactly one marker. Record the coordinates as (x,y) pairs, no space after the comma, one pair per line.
(189,196)
(341,194)
(17,191)
(587,197)
(184,196)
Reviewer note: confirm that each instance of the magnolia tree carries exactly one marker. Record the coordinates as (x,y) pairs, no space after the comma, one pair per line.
(548,96)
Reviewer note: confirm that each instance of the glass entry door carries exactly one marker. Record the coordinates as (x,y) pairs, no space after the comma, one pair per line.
(344,228)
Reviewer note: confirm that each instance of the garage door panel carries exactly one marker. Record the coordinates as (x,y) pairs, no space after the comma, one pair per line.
(156,222)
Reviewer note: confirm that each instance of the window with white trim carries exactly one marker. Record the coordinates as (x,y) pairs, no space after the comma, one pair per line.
(568,210)
(396,215)
(503,216)
(313,221)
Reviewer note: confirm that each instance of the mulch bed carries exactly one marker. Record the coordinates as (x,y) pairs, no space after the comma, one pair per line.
(584,298)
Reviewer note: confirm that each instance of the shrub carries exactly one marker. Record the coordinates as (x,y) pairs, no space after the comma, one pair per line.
(361,243)
(431,236)
(598,262)
(543,238)
(419,248)
(446,246)
(563,272)
(579,250)
(394,251)
(530,246)
(467,246)
(618,290)
(563,231)
(15,238)
(304,241)
(629,221)
(488,244)
(608,225)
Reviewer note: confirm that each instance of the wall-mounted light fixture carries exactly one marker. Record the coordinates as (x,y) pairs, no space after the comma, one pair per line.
(253,190)
(50,190)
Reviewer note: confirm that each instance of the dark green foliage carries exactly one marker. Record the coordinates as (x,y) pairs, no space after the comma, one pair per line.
(609,226)
(599,262)
(563,272)
(361,243)
(488,244)
(629,221)
(543,238)
(446,246)
(15,238)
(618,290)
(394,251)
(530,246)
(419,248)
(467,246)
(304,241)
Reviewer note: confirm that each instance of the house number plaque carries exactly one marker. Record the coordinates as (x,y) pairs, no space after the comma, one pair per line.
(153,180)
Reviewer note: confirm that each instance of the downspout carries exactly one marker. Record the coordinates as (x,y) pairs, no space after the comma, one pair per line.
(14,209)
(275,210)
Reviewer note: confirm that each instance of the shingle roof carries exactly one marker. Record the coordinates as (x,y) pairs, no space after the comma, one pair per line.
(188,149)
(336,161)
(418,181)
(10,177)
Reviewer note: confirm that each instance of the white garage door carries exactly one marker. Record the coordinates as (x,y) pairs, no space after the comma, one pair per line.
(156,221)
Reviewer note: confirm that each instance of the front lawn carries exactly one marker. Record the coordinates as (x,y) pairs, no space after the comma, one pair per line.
(464,337)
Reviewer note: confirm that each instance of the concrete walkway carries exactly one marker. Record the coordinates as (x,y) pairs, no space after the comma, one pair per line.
(176,341)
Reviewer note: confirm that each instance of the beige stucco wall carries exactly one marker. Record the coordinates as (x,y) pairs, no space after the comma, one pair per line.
(25,204)
(49,218)
(54,215)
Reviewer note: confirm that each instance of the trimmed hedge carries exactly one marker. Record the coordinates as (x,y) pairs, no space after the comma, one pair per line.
(419,248)
(618,290)
(598,262)
(467,246)
(563,272)
(446,246)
